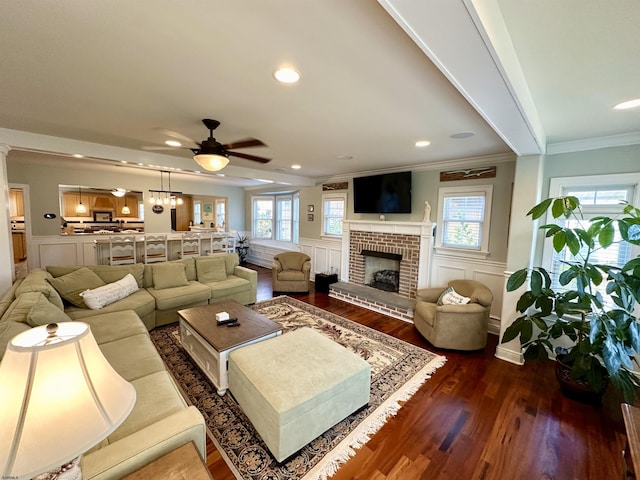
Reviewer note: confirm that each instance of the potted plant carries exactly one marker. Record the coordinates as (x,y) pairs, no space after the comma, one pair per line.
(594,305)
(242,247)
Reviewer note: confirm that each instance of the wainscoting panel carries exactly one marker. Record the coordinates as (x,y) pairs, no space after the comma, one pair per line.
(326,254)
(490,273)
(60,254)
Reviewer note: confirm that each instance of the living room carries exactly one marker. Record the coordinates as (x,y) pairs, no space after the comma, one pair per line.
(534,139)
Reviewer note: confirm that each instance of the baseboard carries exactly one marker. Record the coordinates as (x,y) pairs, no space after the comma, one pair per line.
(509,355)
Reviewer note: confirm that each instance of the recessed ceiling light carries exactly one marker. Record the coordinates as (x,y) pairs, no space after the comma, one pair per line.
(123,161)
(423,143)
(462,135)
(263,180)
(173,143)
(296,167)
(77,155)
(628,104)
(286,75)
(344,157)
(220,175)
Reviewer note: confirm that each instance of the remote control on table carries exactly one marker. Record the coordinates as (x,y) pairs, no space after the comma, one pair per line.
(233,324)
(227,321)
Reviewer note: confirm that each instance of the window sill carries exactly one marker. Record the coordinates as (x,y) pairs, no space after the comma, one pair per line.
(330,237)
(461,252)
(275,244)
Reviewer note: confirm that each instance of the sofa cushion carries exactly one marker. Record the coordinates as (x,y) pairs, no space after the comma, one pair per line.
(43,312)
(8,330)
(211,269)
(230,286)
(99,297)
(36,305)
(190,269)
(169,275)
(141,302)
(231,261)
(133,357)
(108,273)
(171,298)
(37,280)
(70,285)
(9,297)
(111,326)
(156,398)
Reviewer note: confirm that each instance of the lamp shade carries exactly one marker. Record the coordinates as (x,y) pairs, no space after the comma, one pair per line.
(58,398)
(211,162)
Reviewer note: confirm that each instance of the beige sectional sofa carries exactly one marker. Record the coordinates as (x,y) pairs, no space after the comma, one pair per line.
(161,420)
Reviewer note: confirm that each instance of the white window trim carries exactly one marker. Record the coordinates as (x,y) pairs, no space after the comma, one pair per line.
(487,191)
(274,220)
(332,196)
(557,186)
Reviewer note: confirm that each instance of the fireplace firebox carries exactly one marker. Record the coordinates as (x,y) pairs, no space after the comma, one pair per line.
(382,270)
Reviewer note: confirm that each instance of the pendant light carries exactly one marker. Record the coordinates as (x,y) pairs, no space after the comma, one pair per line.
(80,208)
(126,210)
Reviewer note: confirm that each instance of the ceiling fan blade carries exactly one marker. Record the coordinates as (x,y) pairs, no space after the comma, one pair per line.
(247,142)
(151,148)
(250,157)
(176,135)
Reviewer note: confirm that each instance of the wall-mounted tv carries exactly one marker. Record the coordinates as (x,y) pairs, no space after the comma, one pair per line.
(386,193)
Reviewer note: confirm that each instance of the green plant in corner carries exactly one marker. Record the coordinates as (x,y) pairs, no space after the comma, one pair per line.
(595,305)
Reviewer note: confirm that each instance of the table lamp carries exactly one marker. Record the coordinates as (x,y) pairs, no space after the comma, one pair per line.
(58,398)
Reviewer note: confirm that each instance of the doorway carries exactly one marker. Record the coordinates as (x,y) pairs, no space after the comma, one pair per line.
(20,229)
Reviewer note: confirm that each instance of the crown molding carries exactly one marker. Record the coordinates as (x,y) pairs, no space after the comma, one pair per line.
(594,143)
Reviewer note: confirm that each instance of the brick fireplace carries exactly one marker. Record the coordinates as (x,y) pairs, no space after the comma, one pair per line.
(410,241)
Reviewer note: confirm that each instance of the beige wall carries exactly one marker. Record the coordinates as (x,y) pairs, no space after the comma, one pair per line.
(425,188)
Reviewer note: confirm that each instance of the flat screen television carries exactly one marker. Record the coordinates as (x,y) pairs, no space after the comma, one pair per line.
(386,193)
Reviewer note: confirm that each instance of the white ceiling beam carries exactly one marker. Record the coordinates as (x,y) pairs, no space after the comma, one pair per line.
(452,34)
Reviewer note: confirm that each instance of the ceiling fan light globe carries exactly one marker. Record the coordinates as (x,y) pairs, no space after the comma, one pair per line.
(211,162)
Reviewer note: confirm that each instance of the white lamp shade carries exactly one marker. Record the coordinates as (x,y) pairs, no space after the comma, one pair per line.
(57,400)
(213,163)
(80,208)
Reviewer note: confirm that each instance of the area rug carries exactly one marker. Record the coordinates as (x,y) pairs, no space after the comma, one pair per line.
(398,369)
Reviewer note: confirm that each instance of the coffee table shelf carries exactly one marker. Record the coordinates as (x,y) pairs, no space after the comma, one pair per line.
(209,344)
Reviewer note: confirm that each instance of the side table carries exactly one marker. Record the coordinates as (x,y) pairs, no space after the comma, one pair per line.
(183,462)
(323,280)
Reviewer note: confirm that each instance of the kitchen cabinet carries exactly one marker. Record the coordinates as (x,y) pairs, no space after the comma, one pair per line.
(70,201)
(19,246)
(184,214)
(16,202)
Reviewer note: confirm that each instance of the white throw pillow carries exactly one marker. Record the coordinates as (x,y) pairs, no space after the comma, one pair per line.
(453,298)
(112,292)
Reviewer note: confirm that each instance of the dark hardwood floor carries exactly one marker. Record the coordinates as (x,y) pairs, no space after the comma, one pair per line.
(477,418)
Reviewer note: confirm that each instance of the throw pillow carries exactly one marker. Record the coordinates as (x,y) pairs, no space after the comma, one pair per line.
(70,286)
(446,291)
(454,298)
(169,275)
(211,269)
(112,292)
(44,312)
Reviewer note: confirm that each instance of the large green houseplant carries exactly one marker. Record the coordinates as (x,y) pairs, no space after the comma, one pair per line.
(603,333)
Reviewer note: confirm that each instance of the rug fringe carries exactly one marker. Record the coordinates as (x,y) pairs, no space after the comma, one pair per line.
(376,420)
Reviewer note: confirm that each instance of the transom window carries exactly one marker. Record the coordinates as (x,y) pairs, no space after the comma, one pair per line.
(464,217)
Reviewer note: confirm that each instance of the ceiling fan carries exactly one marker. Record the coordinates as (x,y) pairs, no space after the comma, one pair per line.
(213,155)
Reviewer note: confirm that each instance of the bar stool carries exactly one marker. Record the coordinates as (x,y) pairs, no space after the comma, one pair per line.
(190,245)
(122,250)
(155,248)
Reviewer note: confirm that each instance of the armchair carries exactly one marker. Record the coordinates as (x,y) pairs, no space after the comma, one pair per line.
(290,272)
(457,326)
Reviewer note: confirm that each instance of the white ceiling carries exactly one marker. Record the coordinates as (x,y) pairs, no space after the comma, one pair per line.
(522,75)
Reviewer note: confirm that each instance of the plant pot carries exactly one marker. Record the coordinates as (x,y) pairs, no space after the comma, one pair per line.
(575,388)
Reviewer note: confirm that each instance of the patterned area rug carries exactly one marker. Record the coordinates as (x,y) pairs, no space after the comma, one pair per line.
(397,371)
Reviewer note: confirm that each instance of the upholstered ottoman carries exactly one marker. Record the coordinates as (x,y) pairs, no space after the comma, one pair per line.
(296,386)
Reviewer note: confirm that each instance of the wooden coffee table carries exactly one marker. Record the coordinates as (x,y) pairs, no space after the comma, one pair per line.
(209,344)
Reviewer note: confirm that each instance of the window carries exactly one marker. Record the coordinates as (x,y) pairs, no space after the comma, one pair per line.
(220,212)
(598,196)
(284,217)
(141,211)
(464,217)
(197,212)
(263,217)
(333,209)
(276,217)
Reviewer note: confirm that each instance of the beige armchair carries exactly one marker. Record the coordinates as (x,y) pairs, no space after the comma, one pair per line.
(455,327)
(291,271)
